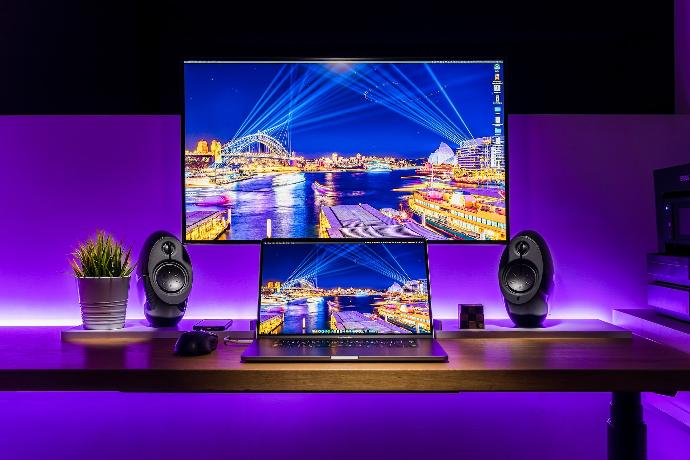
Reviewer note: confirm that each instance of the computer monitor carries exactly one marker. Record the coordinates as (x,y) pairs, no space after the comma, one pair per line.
(344,149)
(344,287)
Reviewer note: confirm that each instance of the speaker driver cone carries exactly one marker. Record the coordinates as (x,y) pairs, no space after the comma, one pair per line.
(170,276)
(520,277)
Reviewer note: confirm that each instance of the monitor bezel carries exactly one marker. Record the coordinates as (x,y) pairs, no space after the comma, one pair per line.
(423,241)
(402,60)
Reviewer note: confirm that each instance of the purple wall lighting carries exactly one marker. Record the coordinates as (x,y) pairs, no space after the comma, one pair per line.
(584,182)
(335,426)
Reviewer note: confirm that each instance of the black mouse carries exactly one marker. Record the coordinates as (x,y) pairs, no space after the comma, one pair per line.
(196,343)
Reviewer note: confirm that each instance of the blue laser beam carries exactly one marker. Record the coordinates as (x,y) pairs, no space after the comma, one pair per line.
(313,96)
(386,91)
(445,94)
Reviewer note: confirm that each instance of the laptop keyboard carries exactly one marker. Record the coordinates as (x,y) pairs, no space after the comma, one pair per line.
(338,343)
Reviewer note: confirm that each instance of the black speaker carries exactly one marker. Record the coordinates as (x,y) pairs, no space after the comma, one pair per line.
(525,275)
(164,279)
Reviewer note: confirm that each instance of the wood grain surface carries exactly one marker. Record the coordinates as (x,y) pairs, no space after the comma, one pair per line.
(34,358)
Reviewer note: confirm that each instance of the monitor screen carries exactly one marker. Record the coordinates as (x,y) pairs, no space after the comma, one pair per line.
(345,288)
(344,149)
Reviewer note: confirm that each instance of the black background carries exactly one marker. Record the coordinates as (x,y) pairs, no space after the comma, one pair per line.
(125,57)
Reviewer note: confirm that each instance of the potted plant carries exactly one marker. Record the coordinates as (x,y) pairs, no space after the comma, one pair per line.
(103,270)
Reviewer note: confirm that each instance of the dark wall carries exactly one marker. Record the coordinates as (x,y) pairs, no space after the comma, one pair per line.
(124,57)
(682,56)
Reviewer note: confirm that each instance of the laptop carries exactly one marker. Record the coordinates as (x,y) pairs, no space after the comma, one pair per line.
(344,300)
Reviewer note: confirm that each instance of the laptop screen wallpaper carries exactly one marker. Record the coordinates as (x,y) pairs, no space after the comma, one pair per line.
(347,288)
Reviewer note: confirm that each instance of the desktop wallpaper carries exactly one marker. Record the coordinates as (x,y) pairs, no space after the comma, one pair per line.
(327,288)
(344,149)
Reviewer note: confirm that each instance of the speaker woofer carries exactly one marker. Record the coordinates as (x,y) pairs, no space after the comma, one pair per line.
(520,277)
(170,277)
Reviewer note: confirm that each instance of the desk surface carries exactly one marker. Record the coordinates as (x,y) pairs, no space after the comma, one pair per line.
(34,358)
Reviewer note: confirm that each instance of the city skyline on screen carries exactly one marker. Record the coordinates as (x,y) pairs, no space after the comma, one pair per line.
(344,288)
(345,149)
(219,97)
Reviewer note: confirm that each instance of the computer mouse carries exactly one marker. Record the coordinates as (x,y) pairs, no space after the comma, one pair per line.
(196,343)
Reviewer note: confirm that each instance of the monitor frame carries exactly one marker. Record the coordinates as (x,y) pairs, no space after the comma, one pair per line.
(297,60)
(423,241)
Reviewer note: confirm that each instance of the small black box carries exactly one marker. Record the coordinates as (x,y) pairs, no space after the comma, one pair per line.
(470,316)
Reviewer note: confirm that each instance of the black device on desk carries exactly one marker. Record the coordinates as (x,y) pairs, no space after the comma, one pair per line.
(196,343)
(344,300)
(213,325)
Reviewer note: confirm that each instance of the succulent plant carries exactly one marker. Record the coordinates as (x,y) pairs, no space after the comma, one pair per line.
(102,257)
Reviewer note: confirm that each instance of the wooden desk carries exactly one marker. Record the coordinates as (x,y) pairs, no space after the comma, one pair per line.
(35,359)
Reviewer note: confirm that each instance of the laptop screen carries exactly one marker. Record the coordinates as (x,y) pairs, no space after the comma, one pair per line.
(336,287)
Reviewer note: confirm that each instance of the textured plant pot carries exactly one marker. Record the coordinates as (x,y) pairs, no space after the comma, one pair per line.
(103,302)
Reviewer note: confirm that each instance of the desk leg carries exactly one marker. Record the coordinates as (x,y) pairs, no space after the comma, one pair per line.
(627,433)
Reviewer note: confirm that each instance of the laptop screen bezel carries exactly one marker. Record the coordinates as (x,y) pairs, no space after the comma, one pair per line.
(423,241)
